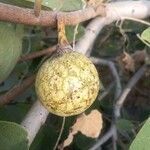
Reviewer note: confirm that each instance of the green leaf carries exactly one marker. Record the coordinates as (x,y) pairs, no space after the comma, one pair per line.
(124,125)
(146,35)
(10,47)
(63,5)
(45,138)
(12,136)
(142,140)
(82,142)
(15,112)
(70,32)
(49,132)
(21,3)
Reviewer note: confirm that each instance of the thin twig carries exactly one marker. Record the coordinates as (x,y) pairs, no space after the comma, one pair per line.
(114,72)
(60,134)
(37,7)
(117,79)
(106,92)
(103,139)
(37,54)
(74,36)
(119,104)
(105,37)
(137,20)
(127,89)
(77,26)
(16,90)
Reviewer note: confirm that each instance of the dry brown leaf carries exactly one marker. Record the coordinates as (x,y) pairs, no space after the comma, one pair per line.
(68,141)
(139,56)
(130,62)
(89,125)
(126,62)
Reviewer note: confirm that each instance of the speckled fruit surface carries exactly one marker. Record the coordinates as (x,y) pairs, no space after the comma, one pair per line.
(68,84)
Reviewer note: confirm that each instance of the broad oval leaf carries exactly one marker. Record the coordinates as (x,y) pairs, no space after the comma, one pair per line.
(142,140)
(10,47)
(12,136)
(146,35)
(21,3)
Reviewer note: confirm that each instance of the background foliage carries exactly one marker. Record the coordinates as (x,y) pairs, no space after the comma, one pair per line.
(110,44)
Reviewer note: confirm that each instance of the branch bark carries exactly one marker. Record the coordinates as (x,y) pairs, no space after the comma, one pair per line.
(113,131)
(127,89)
(37,54)
(119,104)
(47,18)
(16,90)
(33,121)
(113,70)
(114,11)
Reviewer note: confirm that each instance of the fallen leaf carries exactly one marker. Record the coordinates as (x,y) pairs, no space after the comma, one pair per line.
(90,125)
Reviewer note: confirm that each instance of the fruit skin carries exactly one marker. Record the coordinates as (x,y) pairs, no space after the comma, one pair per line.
(68,84)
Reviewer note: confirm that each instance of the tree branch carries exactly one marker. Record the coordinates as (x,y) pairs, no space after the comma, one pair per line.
(114,11)
(106,91)
(37,54)
(119,104)
(127,89)
(136,9)
(16,90)
(113,70)
(113,131)
(33,121)
(26,16)
(105,138)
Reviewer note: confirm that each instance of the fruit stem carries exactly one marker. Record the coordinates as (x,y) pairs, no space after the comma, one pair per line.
(62,39)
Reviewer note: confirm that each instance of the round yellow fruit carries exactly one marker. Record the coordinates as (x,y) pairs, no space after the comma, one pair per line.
(67,84)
